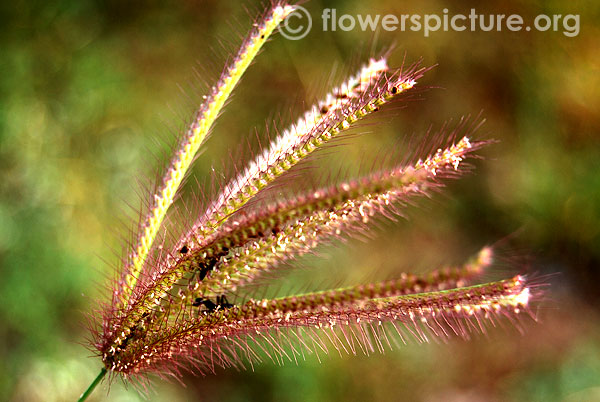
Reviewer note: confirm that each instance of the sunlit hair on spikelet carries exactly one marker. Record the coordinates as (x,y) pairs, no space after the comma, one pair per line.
(172,306)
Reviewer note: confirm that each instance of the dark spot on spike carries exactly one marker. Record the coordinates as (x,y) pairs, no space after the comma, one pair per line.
(184,250)
(223,303)
(324,109)
(394,90)
(262,36)
(202,274)
(199,301)
(210,306)
(205,267)
(204,270)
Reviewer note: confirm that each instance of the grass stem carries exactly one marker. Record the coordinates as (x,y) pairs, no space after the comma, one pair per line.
(92,386)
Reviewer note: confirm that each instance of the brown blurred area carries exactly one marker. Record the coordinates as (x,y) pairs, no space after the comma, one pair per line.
(89,91)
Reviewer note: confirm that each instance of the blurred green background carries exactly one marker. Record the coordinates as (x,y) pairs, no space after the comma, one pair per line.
(90,90)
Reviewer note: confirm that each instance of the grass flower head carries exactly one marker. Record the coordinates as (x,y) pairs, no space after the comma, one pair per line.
(174,305)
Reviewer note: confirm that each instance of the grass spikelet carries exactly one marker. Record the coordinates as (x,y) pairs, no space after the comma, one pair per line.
(176,311)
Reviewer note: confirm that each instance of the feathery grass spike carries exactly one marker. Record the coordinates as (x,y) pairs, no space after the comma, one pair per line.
(211,337)
(361,95)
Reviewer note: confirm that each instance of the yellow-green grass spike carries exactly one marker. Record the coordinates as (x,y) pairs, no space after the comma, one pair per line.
(194,138)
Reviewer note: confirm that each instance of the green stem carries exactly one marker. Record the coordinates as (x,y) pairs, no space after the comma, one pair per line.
(90,389)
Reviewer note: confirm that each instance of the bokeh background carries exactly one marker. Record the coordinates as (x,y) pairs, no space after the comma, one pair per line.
(89,91)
